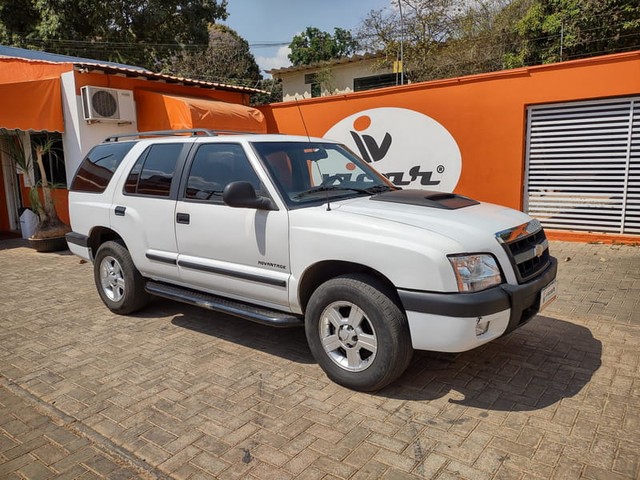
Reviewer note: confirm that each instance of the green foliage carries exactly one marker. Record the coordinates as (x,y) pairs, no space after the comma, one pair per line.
(273,95)
(137,32)
(227,59)
(448,38)
(557,30)
(435,36)
(314,46)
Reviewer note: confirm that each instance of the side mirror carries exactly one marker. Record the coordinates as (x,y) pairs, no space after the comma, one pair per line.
(243,195)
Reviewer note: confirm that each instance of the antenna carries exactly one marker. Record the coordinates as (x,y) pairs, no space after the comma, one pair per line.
(302,118)
(309,138)
(326,192)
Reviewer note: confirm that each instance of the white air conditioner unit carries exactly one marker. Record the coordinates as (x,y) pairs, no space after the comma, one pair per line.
(107,105)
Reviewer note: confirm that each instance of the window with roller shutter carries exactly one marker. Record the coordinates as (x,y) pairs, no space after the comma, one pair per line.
(583,165)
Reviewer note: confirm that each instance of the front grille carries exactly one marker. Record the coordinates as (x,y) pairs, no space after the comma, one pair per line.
(528,252)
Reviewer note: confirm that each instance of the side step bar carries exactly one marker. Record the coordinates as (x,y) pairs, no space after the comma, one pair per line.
(265,316)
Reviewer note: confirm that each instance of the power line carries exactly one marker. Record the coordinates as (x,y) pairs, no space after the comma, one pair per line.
(110,44)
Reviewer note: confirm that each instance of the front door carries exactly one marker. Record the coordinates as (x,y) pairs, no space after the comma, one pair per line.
(241,253)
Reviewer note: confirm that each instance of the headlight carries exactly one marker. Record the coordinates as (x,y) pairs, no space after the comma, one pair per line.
(475,272)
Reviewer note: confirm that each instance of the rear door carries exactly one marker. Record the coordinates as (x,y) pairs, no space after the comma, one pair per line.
(143,210)
(242,253)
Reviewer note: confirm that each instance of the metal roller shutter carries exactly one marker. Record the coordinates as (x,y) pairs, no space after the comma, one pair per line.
(583,165)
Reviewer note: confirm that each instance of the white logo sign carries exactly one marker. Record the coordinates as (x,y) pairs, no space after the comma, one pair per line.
(409,148)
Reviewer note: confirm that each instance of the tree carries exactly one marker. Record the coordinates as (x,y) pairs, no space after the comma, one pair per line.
(314,45)
(422,26)
(227,59)
(557,30)
(473,42)
(137,32)
(447,38)
(274,92)
(49,224)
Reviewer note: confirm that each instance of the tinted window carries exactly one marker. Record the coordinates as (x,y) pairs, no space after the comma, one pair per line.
(153,172)
(214,167)
(131,185)
(97,168)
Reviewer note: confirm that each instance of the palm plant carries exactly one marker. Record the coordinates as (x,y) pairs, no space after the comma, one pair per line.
(49,224)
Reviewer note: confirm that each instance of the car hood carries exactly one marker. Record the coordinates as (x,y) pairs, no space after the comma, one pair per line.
(462,221)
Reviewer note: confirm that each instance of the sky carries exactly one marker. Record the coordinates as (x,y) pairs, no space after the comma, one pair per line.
(277,21)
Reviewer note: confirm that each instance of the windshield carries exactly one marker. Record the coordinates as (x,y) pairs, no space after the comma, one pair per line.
(311,172)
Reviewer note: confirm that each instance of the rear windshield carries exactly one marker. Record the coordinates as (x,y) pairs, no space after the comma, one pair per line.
(97,168)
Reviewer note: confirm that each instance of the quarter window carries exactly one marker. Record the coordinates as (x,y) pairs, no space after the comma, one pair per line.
(98,167)
(153,172)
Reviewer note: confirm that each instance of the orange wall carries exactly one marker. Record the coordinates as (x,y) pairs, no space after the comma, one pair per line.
(486,114)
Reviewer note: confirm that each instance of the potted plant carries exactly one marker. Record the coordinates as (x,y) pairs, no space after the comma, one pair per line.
(50,231)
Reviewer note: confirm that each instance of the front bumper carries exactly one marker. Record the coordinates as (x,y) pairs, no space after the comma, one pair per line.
(446,321)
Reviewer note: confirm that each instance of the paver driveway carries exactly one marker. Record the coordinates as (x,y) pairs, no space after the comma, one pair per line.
(179,392)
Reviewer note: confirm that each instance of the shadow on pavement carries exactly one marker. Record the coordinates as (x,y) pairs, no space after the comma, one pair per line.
(287,343)
(9,243)
(534,367)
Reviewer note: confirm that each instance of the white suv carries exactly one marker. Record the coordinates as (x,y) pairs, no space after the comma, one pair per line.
(290,231)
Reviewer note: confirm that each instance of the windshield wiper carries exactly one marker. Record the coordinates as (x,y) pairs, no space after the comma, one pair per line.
(331,188)
(321,188)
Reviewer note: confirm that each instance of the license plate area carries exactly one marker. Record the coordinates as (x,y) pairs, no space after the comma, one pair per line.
(548,295)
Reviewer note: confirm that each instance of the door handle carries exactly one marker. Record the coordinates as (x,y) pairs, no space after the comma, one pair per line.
(120,211)
(182,218)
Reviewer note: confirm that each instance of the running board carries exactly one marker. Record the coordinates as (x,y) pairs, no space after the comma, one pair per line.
(265,316)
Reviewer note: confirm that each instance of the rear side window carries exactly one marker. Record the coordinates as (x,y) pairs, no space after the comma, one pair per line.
(98,167)
(153,172)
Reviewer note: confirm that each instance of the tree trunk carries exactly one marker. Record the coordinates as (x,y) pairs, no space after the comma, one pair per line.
(50,224)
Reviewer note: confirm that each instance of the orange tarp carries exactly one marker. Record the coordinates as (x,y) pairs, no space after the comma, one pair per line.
(163,111)
(35,105)
(31,95)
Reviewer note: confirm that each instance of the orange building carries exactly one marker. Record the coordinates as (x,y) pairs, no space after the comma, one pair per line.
(560,141)
(79,102)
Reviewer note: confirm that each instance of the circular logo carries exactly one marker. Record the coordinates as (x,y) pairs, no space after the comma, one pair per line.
(409,148)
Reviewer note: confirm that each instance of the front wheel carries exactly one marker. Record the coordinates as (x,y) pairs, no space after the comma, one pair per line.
(119,283)
(357,333)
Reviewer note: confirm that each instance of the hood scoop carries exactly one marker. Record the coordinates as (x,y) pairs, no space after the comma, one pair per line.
(426,198)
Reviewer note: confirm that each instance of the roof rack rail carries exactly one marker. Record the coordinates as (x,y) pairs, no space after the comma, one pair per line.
(165,133)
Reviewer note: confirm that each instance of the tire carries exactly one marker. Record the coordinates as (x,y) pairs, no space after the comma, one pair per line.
(119,283)
(357,333)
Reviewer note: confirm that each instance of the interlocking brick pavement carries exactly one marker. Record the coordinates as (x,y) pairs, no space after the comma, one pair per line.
(32,445)
(179,392)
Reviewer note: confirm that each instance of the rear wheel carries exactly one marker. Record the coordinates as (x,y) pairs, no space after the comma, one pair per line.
(357,333)
(119,283)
